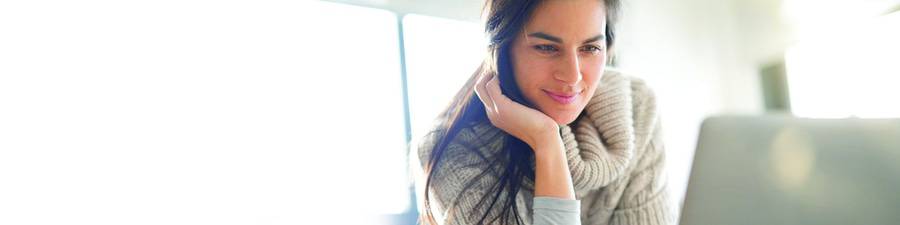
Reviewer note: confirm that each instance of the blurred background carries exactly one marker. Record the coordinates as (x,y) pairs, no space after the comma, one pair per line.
(300,112)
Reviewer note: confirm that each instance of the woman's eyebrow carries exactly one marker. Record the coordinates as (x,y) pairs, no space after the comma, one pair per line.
(595,38)
(556,39)
(545,36)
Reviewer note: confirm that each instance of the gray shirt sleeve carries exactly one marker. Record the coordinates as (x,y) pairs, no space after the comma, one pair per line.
(556,211)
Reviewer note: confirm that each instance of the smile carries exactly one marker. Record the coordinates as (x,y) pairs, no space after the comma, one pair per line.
(562,98)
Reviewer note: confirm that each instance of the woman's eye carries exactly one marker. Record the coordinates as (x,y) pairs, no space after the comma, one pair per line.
(593,49)
(545,48)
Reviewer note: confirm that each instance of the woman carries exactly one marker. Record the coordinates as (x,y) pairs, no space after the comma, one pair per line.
(543,133)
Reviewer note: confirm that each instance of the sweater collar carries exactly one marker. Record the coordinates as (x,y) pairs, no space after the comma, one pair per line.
(600,145)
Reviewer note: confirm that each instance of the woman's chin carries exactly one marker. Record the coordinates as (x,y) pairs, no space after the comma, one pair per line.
(562,114)
(564,118)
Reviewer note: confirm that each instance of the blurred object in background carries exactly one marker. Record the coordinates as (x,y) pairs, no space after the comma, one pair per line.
(778,169)
(776,95)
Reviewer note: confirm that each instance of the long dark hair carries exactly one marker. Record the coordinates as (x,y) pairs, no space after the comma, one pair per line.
(504,21)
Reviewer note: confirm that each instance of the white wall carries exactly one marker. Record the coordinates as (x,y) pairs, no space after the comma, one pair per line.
(691,53)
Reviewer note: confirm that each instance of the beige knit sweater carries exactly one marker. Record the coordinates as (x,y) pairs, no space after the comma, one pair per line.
(615,154)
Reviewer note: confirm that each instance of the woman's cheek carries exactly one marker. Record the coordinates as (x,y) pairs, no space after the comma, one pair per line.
(536,72)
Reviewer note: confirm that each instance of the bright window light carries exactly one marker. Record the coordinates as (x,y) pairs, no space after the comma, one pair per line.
(812,18)
(848,72)
(441,54)
(200,112)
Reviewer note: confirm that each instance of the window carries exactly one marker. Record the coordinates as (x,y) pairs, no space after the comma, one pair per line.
(441,54)
(200,112)
(850,72)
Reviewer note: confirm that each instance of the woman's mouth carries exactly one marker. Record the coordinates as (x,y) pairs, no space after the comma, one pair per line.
(562,98)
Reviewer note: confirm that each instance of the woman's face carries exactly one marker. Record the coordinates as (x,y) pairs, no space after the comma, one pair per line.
(560,55)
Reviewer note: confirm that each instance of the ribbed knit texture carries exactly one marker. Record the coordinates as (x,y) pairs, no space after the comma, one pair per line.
(615,154)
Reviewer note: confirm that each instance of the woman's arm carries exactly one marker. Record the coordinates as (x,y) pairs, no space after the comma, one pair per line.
(551,174)
(554,193)
(554,201)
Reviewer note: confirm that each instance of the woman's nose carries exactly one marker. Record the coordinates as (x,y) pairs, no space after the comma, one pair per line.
(568,70)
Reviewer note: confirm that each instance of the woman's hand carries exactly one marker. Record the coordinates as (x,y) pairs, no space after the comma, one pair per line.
(530,125)
(551,170)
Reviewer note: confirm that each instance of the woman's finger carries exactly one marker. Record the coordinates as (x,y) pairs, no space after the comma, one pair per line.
(483,94)
(493,90)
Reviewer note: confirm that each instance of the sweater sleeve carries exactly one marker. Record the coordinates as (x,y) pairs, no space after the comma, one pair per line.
(645,199)
(555,211)
(464,177)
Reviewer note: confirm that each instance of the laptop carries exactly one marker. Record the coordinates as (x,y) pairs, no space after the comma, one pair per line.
(785,170)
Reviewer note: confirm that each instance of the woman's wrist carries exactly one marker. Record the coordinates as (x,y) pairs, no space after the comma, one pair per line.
(550,151)
(552,176)
(548,141)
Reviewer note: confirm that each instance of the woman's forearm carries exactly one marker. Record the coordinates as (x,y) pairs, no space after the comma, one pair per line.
(552,176)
